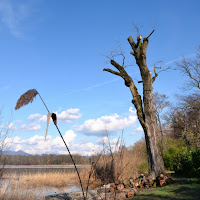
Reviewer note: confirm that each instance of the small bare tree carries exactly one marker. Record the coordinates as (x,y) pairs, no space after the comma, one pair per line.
(191,69)
(160,102)
(4,132)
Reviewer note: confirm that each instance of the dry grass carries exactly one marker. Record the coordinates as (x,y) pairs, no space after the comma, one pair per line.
(11,190)
(58,179)
(32,186)
(122,164)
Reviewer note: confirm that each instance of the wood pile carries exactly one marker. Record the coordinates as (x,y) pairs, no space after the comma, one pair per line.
(130,186)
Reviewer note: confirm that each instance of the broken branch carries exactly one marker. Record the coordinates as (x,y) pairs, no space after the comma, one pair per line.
(111,71)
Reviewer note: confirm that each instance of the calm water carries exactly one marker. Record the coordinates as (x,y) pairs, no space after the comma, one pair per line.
(39,169)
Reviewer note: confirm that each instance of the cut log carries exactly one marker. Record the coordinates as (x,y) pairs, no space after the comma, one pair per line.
(140,185)
(162,183)
(169,180)
(111,190)
(136,184)
(120,187)
(151,181)
(130,195)
(162,176)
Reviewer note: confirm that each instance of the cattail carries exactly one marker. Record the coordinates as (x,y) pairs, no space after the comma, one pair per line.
(26,98)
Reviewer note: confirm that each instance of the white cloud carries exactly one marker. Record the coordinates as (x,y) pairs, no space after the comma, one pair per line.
(29,127)
(139,129)
(106,140)
(66,116)
(86,149)
(35,139)
(33,117)
(69,115)
(18,147)
(111,123)
(11,126)
(37,145)
(9,142)
(43,118)
(68,137)
(23,127)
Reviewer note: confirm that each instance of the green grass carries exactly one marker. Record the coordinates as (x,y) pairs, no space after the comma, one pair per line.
(180,189)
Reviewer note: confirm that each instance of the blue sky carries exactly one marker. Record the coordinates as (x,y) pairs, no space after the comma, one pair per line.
(59,48)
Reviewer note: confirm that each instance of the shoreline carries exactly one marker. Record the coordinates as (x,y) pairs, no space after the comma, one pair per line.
(64,165)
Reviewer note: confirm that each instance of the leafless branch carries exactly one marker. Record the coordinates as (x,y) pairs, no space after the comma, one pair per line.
(136,28)
(150,33)
(190,68)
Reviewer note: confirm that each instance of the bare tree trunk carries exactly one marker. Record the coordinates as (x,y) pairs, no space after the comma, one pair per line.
(152,133)
(144,108)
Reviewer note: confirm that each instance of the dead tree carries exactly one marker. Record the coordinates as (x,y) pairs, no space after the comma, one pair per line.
(144,108)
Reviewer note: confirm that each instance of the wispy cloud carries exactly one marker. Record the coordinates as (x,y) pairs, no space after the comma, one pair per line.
(24,127)
(139,129)
(163,64)
(13,14)
(93,86)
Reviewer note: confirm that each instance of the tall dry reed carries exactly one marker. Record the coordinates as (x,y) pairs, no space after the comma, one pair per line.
(122,164)
(28,97)
(32,186)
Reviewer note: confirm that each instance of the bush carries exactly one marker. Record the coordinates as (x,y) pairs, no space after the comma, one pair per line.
(171,149)
(183,164)
(179,159)
(196,163)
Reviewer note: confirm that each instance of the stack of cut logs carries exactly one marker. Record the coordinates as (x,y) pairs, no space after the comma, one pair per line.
(135,183)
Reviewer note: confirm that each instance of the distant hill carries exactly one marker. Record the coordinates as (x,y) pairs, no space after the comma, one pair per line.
(14,153)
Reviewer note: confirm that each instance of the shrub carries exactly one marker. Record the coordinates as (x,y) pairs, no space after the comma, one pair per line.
(171,149)
(196,163)
(181,160)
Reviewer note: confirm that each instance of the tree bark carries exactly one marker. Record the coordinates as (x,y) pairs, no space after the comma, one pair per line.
(144,108)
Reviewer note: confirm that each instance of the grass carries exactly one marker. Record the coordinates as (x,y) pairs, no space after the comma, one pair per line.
(181,189)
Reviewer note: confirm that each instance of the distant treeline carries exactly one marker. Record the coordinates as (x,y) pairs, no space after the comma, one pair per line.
(44,159)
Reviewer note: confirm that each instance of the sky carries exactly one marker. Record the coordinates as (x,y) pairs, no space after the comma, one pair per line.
(60,47)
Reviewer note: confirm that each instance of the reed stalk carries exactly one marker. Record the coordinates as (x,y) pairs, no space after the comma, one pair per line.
(27,98)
